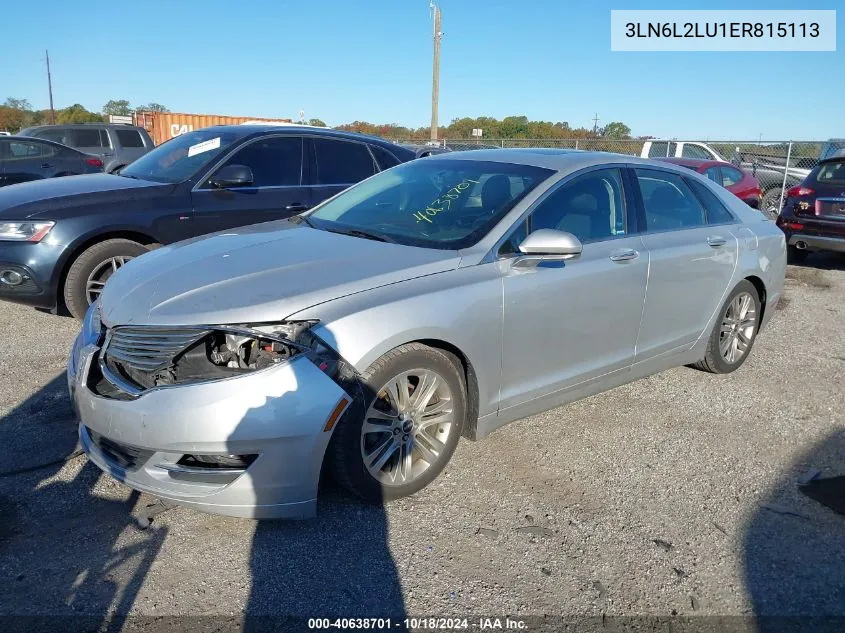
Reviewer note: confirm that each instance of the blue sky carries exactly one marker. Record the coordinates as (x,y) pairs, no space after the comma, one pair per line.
(371,60)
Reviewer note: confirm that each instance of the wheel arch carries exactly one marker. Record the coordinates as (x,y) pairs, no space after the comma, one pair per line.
(87,242)
(471,422)
(760,287)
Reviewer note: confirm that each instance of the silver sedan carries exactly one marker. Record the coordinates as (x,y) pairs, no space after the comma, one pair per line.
(442,298)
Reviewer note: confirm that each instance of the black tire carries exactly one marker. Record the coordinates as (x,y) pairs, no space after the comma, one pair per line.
(771,203)
(344,453)
(713,360)
(75,293)
(795,255)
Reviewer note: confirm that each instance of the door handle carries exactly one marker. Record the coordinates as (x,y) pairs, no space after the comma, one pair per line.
(716,241)
(624,255)
(46,165)
(296,206)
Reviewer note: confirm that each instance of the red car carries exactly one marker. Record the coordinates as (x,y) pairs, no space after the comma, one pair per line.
(744,186)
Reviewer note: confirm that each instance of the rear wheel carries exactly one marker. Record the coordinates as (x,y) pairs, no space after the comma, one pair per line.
(89,273)
(734,332)
(771,202)
(405,432)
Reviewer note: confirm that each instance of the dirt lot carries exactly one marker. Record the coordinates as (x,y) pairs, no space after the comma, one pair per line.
(675,495)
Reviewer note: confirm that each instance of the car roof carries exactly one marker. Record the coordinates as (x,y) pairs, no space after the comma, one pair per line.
(30,139)
(840,155)
(567,160)
(690,162)
(249,129)
(119,126)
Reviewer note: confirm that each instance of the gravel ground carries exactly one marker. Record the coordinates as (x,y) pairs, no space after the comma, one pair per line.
(674,495)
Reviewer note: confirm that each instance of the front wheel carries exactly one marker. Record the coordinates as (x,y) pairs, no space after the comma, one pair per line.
(89,273)
(734,332)
(407,428)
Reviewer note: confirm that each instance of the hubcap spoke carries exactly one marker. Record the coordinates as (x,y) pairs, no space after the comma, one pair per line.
(406,428)
(425,390)
(737,329)
(383,453)
(100,275)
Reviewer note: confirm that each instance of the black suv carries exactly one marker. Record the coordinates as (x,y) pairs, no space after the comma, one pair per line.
(813,216)
(61,239)
(116,145)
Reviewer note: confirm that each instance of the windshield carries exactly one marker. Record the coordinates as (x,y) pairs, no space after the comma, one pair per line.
(434,203)
(181,157)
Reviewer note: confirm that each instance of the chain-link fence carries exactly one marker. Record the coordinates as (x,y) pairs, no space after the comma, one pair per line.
(776,166)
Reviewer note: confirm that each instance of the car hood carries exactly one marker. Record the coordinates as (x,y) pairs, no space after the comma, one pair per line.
(53,196)
(261,273)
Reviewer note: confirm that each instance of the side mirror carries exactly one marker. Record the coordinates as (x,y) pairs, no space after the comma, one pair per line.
(547,245)
(232,176)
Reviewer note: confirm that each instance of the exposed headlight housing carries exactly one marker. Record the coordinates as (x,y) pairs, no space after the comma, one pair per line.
(24,230)
(136,358)
(92,326)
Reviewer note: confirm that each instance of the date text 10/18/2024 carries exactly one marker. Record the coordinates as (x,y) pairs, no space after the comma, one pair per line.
(431,624)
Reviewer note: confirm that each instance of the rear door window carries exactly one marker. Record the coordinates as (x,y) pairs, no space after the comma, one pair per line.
(730,176)
(129,138)
(29,149)
(341,162)
(385,159)
(82,137)
(658,149)
(668,202)
(51,134)
(713,174)
(716,211)
(695,151)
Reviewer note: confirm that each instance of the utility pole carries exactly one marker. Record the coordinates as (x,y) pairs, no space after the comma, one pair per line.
(435,80)
(596,125)
(50,88)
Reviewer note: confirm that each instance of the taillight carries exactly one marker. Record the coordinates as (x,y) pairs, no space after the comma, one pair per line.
(94,162)
(799,190)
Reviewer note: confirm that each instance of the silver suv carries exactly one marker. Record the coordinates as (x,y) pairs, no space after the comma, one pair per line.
(116,145)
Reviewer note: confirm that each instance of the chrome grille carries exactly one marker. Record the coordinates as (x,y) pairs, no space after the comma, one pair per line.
(149,348)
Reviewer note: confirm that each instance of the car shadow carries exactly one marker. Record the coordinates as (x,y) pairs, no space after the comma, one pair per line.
(794,548)
(64,561)
(824,260)
(337,565)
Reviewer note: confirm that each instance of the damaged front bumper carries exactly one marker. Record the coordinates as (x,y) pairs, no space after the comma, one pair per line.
(269,429)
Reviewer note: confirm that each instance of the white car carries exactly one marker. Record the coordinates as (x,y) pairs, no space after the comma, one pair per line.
(680,149)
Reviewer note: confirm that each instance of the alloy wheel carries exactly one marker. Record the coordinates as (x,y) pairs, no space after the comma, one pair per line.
(738,325)
(406,427)
(100,275)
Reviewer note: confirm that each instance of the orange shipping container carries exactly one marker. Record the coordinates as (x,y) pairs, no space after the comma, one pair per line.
(163,126)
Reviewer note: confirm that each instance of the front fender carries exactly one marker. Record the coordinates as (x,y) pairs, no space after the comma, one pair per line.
(462,308)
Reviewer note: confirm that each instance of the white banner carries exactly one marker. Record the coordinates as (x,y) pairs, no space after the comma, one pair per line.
(753,30)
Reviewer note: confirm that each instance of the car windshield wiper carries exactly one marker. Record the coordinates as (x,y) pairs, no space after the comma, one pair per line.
(362,233)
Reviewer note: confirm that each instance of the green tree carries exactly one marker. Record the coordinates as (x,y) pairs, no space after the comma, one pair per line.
(16,114)
(18,104)
(152,107)
(119,107)
(317,122)
(616,129)
(77,114)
